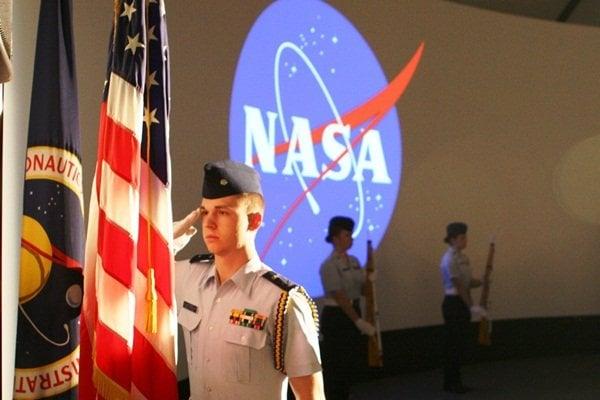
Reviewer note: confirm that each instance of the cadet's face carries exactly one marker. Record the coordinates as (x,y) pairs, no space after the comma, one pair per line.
(343,240)
(224,224)
(460,241)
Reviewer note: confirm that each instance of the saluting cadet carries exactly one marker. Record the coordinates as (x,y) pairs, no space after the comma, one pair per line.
(344,331)
(457,281)
(246,328)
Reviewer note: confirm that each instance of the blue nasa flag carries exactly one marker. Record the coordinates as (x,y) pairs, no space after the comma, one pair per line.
(50,289)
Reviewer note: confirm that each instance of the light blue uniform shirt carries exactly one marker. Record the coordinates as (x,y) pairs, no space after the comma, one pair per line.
(229,361)
(337,274)
(455,264)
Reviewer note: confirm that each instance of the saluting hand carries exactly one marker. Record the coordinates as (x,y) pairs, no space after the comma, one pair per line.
(185,226)
(183,230)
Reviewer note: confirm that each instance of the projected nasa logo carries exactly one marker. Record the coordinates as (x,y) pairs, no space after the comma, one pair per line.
(313,113)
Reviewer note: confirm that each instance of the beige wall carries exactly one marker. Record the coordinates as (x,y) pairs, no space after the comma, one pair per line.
(500,128)
(493,125)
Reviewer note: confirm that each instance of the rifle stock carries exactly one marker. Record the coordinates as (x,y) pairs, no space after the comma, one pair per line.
(375,349)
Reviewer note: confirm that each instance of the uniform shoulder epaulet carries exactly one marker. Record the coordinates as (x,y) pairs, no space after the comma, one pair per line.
(203,258)
(280,281)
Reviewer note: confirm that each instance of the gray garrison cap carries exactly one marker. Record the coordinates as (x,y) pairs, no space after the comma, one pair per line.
(454,229)
(338,223)
(227,177)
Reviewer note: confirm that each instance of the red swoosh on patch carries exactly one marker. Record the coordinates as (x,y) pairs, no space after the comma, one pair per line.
(373,110)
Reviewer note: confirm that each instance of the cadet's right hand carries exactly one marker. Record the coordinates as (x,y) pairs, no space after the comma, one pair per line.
(183,230)
(184,226)
(365,327)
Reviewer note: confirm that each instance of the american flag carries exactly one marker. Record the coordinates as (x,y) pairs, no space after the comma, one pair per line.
(128,325)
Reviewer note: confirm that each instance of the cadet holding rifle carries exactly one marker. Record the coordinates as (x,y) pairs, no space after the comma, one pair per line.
(456,308)
(345,332)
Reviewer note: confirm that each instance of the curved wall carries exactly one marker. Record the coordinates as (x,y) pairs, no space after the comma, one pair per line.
(500,129)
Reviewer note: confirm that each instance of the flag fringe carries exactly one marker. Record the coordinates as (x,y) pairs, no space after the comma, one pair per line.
(107,388)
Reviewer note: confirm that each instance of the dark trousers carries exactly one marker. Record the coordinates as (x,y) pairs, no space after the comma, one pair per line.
(343,353)
(457,336)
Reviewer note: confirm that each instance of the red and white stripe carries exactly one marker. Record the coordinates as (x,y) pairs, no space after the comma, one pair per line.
(130,226)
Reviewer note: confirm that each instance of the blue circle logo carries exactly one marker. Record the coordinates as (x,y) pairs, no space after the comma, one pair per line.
(313,113)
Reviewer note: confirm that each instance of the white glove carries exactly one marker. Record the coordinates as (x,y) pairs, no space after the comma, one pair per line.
(364,327)
(478,312)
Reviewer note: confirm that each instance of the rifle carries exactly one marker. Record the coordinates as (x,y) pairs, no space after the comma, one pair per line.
(375,349)
(485,325)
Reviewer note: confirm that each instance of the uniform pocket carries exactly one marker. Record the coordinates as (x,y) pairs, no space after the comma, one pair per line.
(245,353)
(189,321)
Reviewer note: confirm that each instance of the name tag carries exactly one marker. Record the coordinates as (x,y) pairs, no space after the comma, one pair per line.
(189,306)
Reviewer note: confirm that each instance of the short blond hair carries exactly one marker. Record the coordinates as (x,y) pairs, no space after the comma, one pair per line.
(255,203)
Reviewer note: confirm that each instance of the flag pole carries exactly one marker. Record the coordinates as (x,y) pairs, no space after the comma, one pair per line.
(151,295)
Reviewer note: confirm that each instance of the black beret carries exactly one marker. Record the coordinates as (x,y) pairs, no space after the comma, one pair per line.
(227,177)
(338,223)
(454,229)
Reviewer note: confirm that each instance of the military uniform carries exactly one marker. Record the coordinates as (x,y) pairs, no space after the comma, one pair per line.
(344,349)
(456,313)
(339,274)
(245,337)
(455,264)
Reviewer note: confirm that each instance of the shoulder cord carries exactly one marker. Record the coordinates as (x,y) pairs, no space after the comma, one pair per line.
(278,352)
(279,330)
